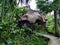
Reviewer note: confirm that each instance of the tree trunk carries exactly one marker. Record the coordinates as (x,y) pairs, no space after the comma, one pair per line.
(59,16)
(56,23)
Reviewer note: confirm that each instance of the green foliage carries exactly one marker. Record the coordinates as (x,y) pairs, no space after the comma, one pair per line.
(17,36)
(8,15)
(47,6)
(20,11)
(14,36)
(10,33)
(50,22)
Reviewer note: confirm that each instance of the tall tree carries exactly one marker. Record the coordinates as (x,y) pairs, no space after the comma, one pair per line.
(22,1)
(47,6)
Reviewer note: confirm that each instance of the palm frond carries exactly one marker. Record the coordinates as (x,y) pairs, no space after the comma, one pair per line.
(27,1)
(23,1)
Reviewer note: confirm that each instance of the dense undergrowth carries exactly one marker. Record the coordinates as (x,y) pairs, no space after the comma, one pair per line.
(15,36)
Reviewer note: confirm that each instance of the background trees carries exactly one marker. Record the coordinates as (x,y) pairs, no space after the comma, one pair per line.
(47,6)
